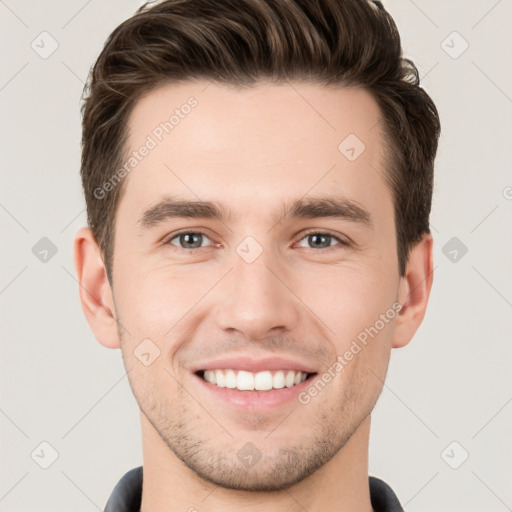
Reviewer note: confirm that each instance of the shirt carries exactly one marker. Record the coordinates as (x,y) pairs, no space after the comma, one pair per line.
(127,494)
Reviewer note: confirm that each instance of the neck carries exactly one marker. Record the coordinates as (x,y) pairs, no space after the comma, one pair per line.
(340,485)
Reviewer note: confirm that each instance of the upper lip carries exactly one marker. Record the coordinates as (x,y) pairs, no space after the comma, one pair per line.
(254,365)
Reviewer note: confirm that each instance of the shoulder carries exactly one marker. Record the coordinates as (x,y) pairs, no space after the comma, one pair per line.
(383,497)
(127,494)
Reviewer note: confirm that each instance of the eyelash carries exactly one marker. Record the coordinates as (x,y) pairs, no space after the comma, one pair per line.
(342,243)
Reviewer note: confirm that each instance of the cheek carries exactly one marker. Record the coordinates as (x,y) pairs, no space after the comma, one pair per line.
(351,302)
(154,302)
(350,299)
(353,307)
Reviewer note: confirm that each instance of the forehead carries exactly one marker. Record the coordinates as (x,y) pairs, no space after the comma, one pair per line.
(250,146)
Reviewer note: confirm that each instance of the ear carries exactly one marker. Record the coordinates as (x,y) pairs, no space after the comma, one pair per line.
(414,291)
(95,292)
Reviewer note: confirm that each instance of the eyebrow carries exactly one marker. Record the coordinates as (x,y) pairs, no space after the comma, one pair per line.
(302,208)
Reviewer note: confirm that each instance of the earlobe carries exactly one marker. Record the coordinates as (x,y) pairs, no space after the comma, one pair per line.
(414,291)
(94,289)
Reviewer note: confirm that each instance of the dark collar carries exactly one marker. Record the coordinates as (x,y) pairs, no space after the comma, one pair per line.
(127,494)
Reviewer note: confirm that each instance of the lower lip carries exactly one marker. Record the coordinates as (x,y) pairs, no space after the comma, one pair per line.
(256,399)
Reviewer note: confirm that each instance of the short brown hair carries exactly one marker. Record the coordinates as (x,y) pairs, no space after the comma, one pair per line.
(238,42)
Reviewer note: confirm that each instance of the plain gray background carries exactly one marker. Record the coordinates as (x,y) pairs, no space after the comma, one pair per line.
(448,394)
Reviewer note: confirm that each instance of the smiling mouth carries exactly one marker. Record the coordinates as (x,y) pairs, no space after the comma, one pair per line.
(242,380)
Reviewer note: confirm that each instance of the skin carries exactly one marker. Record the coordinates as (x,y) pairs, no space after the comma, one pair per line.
(251,150)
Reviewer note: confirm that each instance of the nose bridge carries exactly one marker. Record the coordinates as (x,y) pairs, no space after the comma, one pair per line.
(255,300)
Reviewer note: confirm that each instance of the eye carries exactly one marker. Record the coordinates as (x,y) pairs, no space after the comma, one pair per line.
(196,239)
(189,239)
(321,240)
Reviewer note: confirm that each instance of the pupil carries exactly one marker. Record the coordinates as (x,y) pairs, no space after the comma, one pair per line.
(317,237)
(188,238)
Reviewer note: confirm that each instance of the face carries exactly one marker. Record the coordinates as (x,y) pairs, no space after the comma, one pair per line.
(285,258)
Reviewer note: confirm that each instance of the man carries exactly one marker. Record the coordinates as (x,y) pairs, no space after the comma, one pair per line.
(258,178)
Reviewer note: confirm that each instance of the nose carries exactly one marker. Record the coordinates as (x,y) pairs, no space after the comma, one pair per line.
(257,300)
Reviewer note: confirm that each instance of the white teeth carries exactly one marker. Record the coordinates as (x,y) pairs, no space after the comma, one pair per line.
(230,379)
(278,380)
(260,381)
(244,381)
(211,377)
(220,380)
(289,379)
(263,381)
